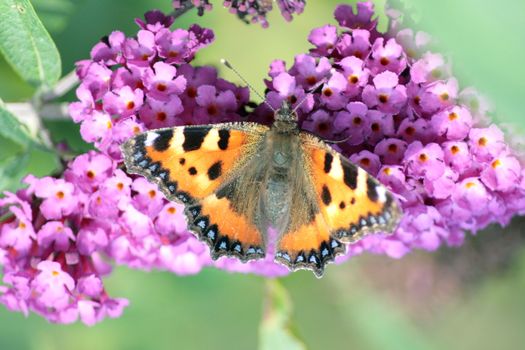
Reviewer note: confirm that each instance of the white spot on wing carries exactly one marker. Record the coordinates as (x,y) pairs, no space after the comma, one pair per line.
(332,210)
(150,138)
(202,181)
(361,182)
(337,168)
(381,194)
(211,140)
(177,140)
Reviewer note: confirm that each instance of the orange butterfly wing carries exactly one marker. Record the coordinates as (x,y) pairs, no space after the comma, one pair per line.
(195,165)
(350,203)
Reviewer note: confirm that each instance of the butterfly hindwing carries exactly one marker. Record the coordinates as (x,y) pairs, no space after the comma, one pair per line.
(348,203)
(199,167)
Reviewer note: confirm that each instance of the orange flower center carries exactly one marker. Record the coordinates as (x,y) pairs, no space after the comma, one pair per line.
(353,79)
(410,130)
(311,80)
(436,73)
(327,92)
(192,92)
(384,61)
(365,162)
(212,110)
(161,116)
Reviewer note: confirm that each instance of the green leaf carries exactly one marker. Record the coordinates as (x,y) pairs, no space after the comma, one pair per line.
(12,129)
(275,332)
(12,170)
(26,44)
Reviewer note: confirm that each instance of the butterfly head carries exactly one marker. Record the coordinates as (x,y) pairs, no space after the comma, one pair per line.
(286,119)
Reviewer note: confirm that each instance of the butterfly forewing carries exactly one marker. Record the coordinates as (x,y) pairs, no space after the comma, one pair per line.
(200,166)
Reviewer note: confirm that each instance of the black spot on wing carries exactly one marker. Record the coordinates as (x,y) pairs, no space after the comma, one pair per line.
(328,158)
(226,191)
(224,137)
(192,171)
(371,189)
(193,137)
(215,170)
(162,142)
(326,196)
(349,175)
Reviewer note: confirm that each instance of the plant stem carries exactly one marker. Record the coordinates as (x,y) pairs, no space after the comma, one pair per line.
(63,86)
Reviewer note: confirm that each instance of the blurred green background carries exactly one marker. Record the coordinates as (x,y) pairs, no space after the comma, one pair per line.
(465,298)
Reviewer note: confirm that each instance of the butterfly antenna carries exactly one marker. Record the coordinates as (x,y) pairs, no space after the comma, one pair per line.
(229,66)
(308,93)
(301,102)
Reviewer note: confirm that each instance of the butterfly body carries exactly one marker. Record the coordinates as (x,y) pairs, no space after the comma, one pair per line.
(241,180)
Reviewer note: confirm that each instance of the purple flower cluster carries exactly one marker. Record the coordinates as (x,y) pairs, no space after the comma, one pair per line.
(394,103)
(404,119)
(250,11)
(50,252)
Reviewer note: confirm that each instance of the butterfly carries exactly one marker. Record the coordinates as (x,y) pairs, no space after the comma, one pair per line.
(237,180)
